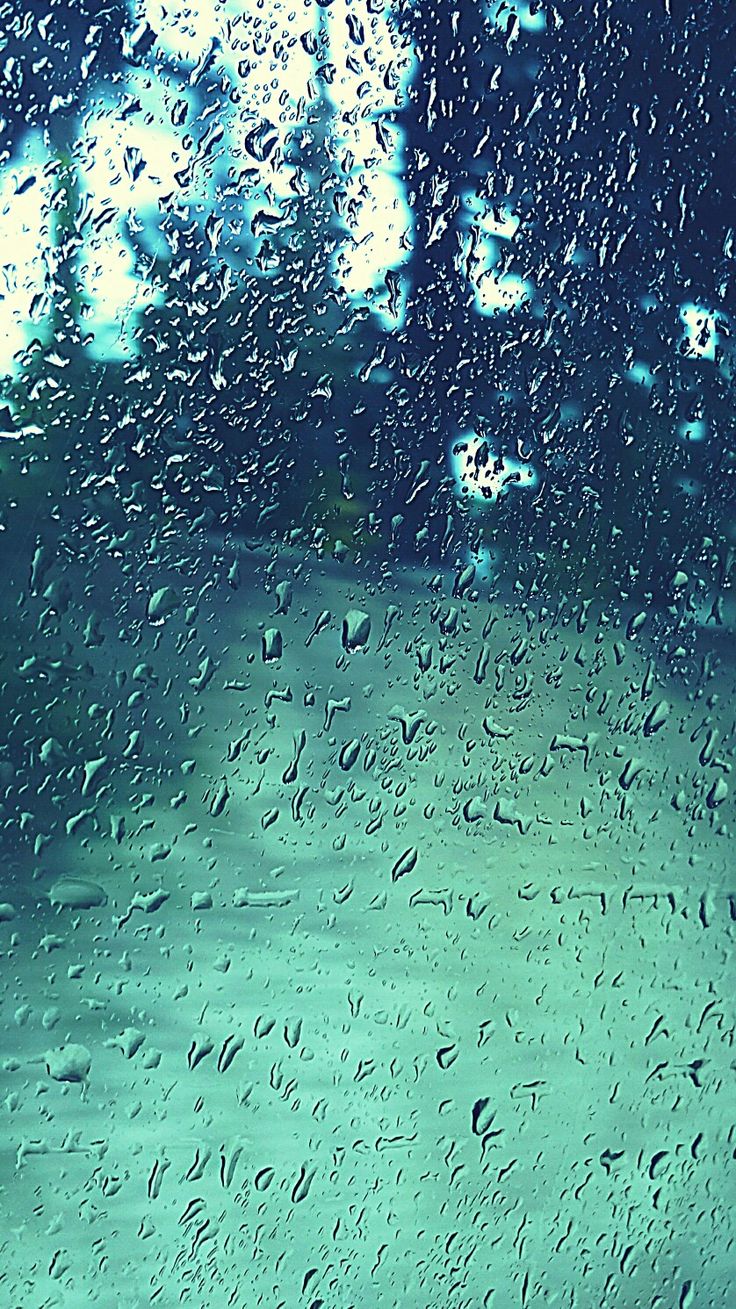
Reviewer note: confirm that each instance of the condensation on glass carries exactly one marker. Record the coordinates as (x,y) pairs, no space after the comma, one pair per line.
(367,897)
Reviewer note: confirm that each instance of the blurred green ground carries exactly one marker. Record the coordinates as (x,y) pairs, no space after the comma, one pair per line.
(505,1077)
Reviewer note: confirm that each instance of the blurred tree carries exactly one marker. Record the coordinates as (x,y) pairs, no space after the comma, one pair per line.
(254,349)
(444,121)
(54,55)
(613,220)
(623,220)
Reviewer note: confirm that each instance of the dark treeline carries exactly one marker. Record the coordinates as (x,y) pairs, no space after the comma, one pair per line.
(300,410)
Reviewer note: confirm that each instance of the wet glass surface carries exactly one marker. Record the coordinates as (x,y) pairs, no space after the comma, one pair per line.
(366,459)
